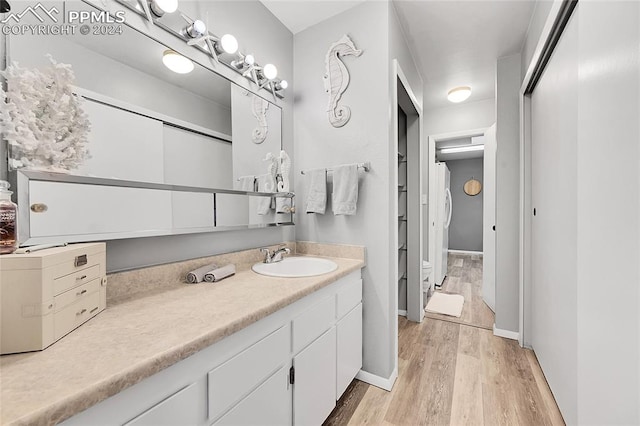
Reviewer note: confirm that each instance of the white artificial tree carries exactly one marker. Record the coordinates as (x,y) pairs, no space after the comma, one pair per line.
(42,119)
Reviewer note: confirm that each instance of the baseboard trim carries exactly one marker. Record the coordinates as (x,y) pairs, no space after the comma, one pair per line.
(514,335)
(402,312)
(377,381)
(464,252)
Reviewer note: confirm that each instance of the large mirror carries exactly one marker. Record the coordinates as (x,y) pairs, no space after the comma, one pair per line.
(154,126)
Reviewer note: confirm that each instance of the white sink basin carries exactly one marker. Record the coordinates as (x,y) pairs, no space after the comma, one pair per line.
(293,267)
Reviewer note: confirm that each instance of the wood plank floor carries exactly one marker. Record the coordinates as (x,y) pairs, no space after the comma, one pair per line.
(454,373)
(464,276)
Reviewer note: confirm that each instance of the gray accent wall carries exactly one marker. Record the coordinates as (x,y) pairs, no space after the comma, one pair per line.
(465,231)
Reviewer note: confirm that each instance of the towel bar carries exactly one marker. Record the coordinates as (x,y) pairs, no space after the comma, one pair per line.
(366,166)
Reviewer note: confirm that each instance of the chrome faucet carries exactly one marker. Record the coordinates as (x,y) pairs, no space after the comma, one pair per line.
(277,254)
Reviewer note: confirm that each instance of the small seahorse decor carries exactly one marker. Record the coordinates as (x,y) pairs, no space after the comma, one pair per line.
(336,79)
(259,108)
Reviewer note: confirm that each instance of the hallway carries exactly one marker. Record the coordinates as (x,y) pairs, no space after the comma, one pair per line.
(454,371)
(464,276)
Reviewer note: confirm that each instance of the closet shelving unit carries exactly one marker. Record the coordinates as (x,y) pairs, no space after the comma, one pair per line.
(402,222)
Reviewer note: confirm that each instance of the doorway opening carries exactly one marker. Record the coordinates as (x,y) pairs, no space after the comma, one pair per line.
(462,227)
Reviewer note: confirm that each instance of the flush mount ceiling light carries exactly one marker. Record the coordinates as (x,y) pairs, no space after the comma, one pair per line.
(455,149)
(459,94)
(160,7)
(176,62)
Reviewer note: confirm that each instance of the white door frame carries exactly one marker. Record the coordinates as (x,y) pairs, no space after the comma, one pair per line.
(525,174)
(432,187)
(398,75)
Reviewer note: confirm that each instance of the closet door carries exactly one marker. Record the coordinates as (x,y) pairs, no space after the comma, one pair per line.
(554,104)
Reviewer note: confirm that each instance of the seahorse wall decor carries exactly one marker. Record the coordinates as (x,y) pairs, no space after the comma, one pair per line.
(336,79)
(259,108)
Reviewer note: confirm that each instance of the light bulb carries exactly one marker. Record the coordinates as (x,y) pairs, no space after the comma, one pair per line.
(270,71)
(176,62)
(282,85)
(196,29)
(249,59)
(229,44)
(459,94)
(160,7)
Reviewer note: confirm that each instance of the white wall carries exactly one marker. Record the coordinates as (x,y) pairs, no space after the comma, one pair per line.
(465,231)
(508,193)
(363,138)
(536,24)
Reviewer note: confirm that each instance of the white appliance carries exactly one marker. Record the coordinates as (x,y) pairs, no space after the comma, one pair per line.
(443,220)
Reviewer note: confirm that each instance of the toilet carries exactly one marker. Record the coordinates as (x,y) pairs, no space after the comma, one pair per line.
(426,285)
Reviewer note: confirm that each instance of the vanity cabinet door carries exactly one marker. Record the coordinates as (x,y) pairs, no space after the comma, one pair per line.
(349,349)
(268,405)
(314,389)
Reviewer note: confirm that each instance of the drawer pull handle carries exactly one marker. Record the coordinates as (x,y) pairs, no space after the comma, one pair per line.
(80,260)
(81,312)
(81,278)
(94,309)
(80,293)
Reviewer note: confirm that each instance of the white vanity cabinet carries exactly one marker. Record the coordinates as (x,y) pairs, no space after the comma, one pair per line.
(286,369)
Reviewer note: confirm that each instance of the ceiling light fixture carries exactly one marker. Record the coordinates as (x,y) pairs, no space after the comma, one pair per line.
(160,7)
(459,94)
(176,62)
(456,149)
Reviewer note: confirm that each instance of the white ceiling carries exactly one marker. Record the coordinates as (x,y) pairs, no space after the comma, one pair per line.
(455,42)
(458,42)
(298,15)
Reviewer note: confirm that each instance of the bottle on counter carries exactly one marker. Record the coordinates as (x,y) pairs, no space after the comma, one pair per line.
(8,220)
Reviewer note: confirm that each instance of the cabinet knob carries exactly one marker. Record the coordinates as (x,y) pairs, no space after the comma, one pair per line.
(39,207)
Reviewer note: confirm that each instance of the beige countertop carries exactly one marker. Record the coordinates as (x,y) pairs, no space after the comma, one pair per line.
(140,336)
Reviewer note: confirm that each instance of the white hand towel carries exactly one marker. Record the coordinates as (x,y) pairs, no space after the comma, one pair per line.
(264,185)
(317,191)
(345,189)
(283,205)
(220,273)
(247,183)
(197,276)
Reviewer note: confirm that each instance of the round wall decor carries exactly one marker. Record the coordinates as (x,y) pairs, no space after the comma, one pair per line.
(472,187)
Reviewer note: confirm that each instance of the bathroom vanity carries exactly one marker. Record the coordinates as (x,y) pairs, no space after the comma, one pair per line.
(250,349)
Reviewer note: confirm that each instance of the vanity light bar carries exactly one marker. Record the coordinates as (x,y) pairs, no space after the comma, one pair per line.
(209,43)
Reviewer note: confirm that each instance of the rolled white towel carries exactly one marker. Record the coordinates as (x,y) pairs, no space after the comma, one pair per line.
(197,275)
(220,273)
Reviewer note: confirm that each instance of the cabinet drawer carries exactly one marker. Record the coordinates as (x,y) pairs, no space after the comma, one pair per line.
(269,405)
(75,314)
(76,259)
(62,284)
(312,323)
(70,296)
(237,377)
(181,408)
(349,297)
